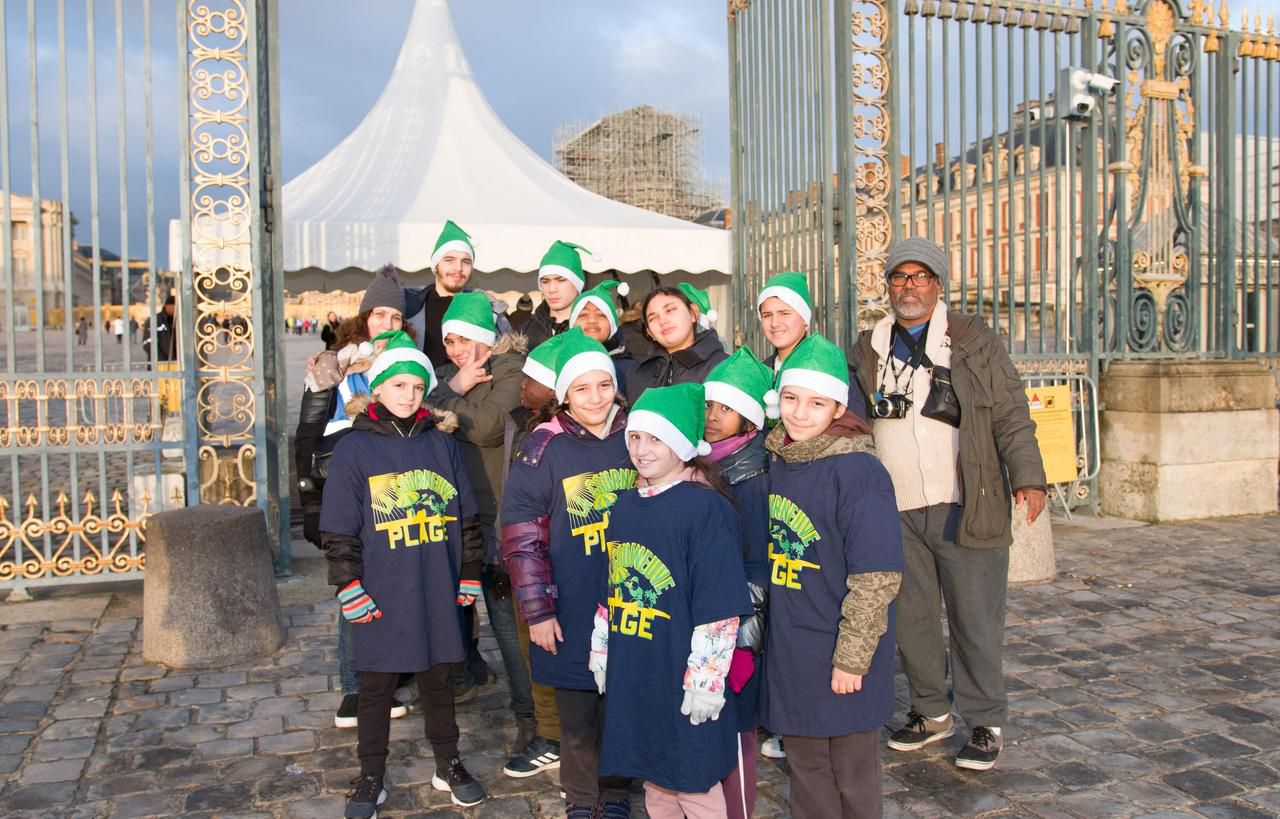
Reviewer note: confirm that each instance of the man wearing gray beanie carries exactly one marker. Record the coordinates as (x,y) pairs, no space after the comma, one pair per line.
(950,422)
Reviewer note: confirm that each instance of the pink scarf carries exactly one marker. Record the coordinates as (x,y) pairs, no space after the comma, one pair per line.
(723,449)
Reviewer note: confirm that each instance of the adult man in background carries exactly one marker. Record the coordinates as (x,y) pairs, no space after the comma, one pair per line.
(452,263)
(952,427)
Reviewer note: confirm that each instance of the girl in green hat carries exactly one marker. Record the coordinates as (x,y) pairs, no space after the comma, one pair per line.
(664,634)
(555,508)
(678,321)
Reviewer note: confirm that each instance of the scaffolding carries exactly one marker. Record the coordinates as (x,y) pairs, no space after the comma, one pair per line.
(642,156)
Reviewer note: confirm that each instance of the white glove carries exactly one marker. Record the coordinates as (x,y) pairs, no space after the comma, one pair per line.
(700,706)
(599,664)
(598,661)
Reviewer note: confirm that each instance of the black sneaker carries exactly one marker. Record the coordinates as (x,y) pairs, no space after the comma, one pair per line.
(539,755)
(615,809)
(348,712)
(981,751)
(366,794)
(461,785)
(572,811)
(920,731)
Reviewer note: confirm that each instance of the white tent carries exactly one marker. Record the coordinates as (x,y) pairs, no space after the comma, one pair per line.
(432,149)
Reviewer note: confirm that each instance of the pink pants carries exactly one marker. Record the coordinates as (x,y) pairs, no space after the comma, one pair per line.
(744,779)
(661,803)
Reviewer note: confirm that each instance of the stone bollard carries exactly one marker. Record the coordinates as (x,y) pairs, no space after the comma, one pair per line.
(209,592)
(1031,556)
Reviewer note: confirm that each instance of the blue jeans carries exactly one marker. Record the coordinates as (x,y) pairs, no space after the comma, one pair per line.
(348,677)
(502,619)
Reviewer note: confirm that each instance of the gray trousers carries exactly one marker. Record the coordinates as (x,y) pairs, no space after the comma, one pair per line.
(835,777)
(972,583)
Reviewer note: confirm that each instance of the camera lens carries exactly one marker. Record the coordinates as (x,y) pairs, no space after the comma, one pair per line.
(1083,107)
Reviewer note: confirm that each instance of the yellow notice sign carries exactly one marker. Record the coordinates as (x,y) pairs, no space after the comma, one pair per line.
(1055,431)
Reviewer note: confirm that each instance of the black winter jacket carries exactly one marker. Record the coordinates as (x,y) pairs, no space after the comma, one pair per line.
(541,326)
(345,552)
(685,366)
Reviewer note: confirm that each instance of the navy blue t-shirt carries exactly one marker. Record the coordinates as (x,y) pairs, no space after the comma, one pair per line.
(675,562)
(576,483)
(828,519)
(405,498)
(751,497)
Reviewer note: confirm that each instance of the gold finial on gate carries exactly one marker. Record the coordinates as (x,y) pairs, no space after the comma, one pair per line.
(1224,15)
(1122,7)
(1211,42)
(1246,45)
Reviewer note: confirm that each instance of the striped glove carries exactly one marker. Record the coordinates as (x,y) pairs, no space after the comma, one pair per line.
(468,591)
(357,605)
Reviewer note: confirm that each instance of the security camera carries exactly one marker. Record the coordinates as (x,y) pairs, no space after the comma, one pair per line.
(1102,84)
(1077,92)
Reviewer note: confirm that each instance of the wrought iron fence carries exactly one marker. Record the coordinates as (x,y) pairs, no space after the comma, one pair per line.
(101,423)
(1138,218)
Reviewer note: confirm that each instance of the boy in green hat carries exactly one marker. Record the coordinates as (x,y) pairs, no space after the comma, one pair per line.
(835,558)
(399,528)
(560,278)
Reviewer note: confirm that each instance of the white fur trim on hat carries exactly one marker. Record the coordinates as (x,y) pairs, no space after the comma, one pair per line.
(563,272)
(467,330)
(580,365)
(823,384)
(600,305)
(735,399)
(394,356)
(666,432)
(788,297)
(539,372)
(450,246)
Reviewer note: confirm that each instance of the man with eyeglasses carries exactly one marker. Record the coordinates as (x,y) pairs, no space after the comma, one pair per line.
(952,427)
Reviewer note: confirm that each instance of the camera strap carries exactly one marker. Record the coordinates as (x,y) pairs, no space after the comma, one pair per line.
(914,345)
(916,356)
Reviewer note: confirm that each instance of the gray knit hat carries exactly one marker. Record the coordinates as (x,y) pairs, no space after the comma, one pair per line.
(921,251)
(384,291)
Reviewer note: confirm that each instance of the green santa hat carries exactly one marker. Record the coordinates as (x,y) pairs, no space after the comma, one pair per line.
(740,383)
(470,315)
(602,297)
(541,363)
(675,415)
(562,259)
(452,238)
(579,355)
(401,355)
(815,364)
(793,290)
(706,315)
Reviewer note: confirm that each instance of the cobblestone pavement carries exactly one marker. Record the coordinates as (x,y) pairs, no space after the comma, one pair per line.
(1143,682)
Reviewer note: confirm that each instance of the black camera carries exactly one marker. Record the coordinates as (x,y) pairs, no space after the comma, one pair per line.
(893,405)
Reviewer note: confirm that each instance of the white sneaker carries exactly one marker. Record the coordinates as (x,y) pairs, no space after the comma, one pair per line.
(772,747)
